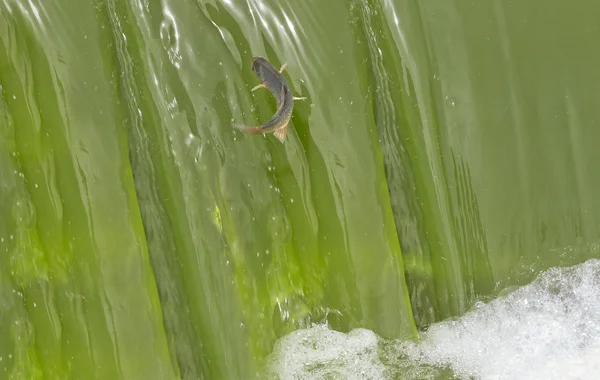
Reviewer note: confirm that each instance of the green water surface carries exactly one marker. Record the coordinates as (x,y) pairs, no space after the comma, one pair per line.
(447,150)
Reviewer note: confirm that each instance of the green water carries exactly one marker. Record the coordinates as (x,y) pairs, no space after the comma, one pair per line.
(447,150)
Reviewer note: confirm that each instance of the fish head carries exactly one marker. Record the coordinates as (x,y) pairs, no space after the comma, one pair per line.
(257,63)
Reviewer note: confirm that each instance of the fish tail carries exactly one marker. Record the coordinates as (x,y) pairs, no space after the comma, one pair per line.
(247,129)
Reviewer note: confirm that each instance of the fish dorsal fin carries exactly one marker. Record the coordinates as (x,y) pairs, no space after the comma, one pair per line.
(280,134)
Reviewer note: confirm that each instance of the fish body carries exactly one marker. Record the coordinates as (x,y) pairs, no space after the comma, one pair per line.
(274,81)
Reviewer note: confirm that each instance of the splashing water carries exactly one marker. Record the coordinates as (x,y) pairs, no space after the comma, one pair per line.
(549,329)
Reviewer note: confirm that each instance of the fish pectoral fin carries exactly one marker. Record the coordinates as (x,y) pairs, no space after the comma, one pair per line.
(280,134)
(299,98)
(262,85)
(283,67)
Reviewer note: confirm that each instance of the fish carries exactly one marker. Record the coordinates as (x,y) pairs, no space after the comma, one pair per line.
(274,81)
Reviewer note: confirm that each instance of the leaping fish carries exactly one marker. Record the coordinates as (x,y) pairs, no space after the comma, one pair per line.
(273,80)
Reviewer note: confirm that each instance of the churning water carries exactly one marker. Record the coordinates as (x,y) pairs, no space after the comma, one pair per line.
(549,329)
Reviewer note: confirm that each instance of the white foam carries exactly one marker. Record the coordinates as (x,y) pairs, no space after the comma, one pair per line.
(320,353)
(547,330)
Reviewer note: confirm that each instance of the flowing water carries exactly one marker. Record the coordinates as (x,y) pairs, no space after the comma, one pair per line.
(447,151)
(548,330)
